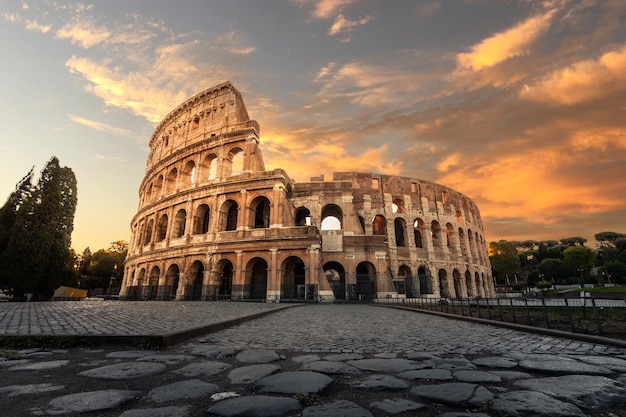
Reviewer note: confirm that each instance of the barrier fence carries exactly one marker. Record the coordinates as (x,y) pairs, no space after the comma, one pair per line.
(604,317)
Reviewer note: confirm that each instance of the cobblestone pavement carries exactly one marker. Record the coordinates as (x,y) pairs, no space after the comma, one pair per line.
(351,360)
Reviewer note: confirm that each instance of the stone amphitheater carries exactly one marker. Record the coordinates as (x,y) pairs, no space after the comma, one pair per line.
(214,224)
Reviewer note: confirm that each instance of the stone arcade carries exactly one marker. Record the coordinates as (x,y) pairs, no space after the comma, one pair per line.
(214,224)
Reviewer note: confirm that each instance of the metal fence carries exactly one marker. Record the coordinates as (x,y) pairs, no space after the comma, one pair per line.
(606,317)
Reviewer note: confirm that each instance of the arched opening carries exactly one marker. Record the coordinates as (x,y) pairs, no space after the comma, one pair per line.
(195,281)
(257,271)
(435,232)
(462,242)
(397,206)
(449,236)
(458,284)
(332,216)
(425,280)
(444,289)
(303,217)
(235,161)
(479,285)
(260,213)
(365,281)
(170,183)
(225,271)
(404,281)
(179,223)
(418,226)
(399,226)
(189,173)
(228,215)
(362,223)
(152,289)
(468,284)
(156,190)
(148,236)
(293,286)
(162,228)
(209,167)
(201,220)
(336,276)
(168,292)
(379,225)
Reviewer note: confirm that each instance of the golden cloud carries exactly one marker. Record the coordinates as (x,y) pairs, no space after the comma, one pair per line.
(83,33)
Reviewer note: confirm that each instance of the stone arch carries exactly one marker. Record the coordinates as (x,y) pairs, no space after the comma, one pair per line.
(148,235)
(224,269)
(435,232)
(458,284)
(397,206)
(168,292)
(234,162)
(260,213)
(189,174)
(303,216)
(479,285)
(158,185)
(201,219)
(228,215)
(365,281)
(162,228)
(361,223)
(404,281)
(379,225)
(332,217)
(256,278)
(444,289)
(418,227)
(462,242)
(468,283)
(336,276)
(425,281)
(450,236)
(209,166)
(180,220)
(151,290)
(293,279)
(399,226)
(195,281)
(170,182)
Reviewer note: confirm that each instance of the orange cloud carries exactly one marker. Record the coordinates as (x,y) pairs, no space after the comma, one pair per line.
(83,33)
(582,81)
(512,42)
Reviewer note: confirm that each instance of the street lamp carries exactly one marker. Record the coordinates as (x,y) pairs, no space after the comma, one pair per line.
(112,279)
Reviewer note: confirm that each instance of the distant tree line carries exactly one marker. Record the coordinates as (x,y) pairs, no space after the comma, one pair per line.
(564,261)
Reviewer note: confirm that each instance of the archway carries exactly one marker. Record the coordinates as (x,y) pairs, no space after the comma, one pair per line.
(257,271)
(225,273)
(399,226)
(179,224)
(379,225)
(303,217)
(418,226)
(332,217)
(293,285)
(404,281)
(162,228)
(195,281)
(444,289)
(151,290)
(468,284)
(425,280)
(260,213)
(201,219)
(168,292)
(458,284)
(336,276)
(365,287)
(228,215)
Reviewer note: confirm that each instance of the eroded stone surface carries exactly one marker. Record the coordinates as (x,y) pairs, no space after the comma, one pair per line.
(203,368)
(338,408)
(90,401)
(328,367)
(15,390)
(475,376)
(525,403)
(293,383)
(385,365)
(125,370)
(171,411)
(257,356)
(495,362)
(251,373)
(427,374)
(397,405)
(380,382)
(192,388)
(39,366)
(255,406)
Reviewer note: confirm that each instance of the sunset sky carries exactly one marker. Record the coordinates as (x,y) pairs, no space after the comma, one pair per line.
(519,104)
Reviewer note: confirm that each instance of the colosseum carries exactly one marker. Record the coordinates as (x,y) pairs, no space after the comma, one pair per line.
(214,224)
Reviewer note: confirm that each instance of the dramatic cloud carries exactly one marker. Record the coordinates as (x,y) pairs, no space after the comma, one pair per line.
(325,9)
(84,33)
(35,26)
(343,25)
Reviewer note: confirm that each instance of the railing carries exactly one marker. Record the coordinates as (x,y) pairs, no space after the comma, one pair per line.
(604,317)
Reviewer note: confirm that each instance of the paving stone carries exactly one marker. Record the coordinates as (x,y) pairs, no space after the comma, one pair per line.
(342,357)
(130,354)
(305,358)
(212,351)
(525,403)
(328,367)
(457,393)
(255,406)
(39,366)
(380,382)
(427,374)
(90,401)
(191,388)
(300,382)
(451,364)
(475,376)
(203,368)
(171,411)
(38,355)
(166,359)
(614,364)
(386,355)
(562,365)
(511,374)
(219,396)
(396,405)
(252,373)
(462,414)
(9,363)
(495,362)
(385,365)
(15,390)
(421,356)
(581,390)
(125,370)
(335,409)
(257,356)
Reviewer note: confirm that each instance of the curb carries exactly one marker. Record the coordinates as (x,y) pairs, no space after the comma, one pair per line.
(521,327)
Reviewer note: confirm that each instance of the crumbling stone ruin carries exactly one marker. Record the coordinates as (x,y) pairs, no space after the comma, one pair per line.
(214,224)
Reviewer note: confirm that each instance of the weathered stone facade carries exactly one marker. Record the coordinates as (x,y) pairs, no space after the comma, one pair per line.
(214,224)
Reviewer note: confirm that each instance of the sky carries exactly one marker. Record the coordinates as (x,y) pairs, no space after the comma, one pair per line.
(519,104)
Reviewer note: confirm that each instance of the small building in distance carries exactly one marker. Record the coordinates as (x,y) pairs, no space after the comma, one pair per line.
(214,224)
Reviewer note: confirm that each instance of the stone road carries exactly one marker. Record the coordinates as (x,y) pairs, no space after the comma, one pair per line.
(313,360)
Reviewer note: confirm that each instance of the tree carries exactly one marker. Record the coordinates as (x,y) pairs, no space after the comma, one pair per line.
(37,254)
(608,238)
(8,212)
(573,241)
(581,259)
(503,257)
(555,270)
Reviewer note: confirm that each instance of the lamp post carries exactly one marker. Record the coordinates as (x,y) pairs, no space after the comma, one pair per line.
(112,279)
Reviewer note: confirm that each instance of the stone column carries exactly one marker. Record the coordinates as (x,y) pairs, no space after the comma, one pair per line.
(273,284)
